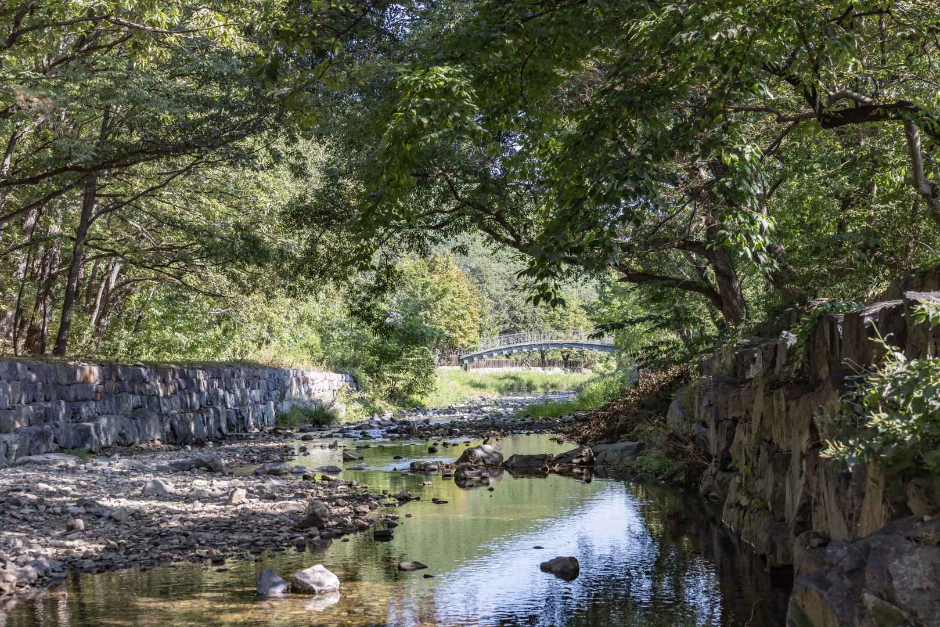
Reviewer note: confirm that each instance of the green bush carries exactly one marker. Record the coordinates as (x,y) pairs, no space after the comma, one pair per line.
(892,417)
(317,415)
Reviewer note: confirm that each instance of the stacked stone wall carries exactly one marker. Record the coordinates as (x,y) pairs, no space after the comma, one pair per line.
(47,406)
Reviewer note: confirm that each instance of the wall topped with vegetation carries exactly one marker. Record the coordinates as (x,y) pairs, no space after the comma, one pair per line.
(48,406)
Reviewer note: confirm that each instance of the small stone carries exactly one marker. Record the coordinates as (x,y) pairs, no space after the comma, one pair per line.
(76,524)
(238,496)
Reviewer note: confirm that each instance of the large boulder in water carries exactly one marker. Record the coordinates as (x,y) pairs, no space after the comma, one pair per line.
(566,568)
(485,454)
(314,580)
(528,464)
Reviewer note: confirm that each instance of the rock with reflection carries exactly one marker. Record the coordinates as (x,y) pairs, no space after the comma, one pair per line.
(486,454)
(566,568)
(322,601)
(425,467)
(468,476)
(521,465)
(314,580)
(581,456)
(270,584)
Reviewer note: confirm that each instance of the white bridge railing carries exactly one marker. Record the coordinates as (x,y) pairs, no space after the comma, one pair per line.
(536,337)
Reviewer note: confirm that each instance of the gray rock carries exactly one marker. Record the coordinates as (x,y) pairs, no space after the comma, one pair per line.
(208,461)
(528,463)
(238,496)
(330,470)
(425,466)
(566,568)
(158,488)
(277,469)
(270,584)
(314,580)
(350,456)
(317,514)
(76,524)
(48,459)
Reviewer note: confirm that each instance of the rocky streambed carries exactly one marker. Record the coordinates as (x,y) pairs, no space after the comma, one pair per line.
(292,500)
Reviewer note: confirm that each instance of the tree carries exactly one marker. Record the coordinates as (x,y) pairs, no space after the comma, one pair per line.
(653,141)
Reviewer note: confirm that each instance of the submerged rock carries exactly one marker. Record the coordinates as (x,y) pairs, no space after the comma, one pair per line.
(410,566)
(566,568)
(350,456)
(270,584)
(314,580)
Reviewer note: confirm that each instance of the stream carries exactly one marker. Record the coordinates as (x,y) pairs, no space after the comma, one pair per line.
(650,555)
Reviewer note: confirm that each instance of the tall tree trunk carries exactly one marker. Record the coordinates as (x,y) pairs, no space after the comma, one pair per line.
(89,201)
(733,305)
(45,278)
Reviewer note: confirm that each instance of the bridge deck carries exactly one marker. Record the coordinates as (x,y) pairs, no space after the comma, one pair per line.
(537,341)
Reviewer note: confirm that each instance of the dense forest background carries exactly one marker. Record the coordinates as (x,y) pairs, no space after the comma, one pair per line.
(368,185)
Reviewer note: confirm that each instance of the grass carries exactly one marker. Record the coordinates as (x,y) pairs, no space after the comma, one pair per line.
(318,415)
(457,386)
(82,453)
(593,393)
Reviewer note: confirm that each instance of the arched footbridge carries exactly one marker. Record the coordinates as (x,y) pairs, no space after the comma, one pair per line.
(536,341)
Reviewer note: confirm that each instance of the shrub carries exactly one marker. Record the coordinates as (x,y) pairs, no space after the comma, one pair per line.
(298,415)
(892,416)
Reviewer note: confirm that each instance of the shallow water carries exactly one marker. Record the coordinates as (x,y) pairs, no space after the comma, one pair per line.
(649,556)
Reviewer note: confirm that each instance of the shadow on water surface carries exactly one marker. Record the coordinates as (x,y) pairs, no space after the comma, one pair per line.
(649,556)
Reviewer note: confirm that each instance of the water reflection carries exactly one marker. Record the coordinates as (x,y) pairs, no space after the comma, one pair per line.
(649,556)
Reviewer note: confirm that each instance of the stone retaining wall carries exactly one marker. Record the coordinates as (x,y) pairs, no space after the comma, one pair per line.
(758,413)
(46,406)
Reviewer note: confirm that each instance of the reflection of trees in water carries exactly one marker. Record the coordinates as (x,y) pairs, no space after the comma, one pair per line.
(691,571)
